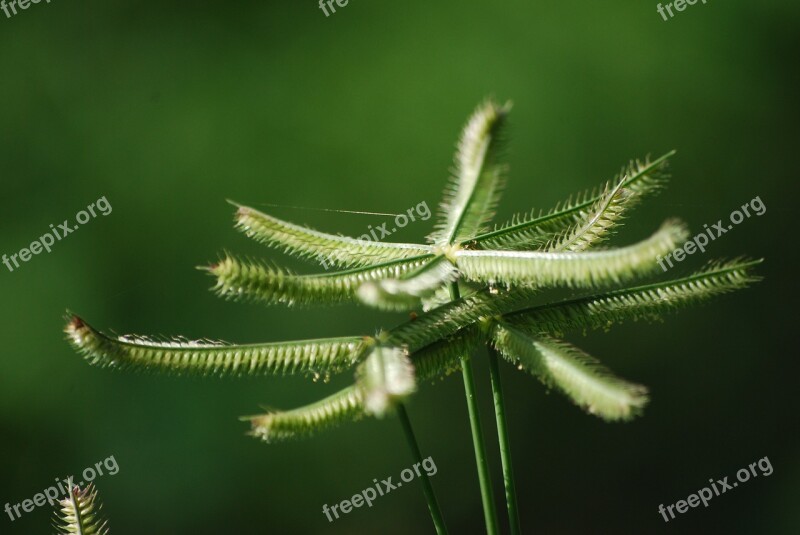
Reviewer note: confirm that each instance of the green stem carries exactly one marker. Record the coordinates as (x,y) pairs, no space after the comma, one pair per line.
(427,488)
(505,444)
(489,513)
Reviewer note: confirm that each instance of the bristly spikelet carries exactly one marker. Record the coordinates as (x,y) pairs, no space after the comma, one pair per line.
(311,244)
(535,229)
(598,223)
(386,377)
(442,358)
(585,269)
(648,302)
(323,356)
(478,178)
(579,376)
(346,405)
(449,319)
(242,280)
(79,513)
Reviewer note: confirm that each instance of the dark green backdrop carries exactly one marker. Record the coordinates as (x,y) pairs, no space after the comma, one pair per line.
(169,108)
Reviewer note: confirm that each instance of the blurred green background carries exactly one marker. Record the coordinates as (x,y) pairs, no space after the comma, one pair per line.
(168,109)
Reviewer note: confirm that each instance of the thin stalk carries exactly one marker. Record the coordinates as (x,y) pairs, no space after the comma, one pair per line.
(427,488)
(505,444)
(489,512)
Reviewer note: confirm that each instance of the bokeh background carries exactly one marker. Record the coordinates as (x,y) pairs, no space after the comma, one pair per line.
(168,109)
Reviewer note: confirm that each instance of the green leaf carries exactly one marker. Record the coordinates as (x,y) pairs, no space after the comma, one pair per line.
(347,405)
(406,292)
(647,302)
(311,244)
(79,513)
(320,357)
(585,269)
(526,231)
(471,197)
(386,377)
(581,377)
(255,281)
